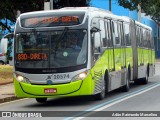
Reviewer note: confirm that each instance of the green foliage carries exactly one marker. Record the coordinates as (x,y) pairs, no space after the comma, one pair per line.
(70,3)
(9,8)
(130,4)
(150,7)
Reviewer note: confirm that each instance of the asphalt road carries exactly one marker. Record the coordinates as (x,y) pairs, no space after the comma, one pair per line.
(139,98)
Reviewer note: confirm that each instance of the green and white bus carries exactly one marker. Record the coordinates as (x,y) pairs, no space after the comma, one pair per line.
(79,51)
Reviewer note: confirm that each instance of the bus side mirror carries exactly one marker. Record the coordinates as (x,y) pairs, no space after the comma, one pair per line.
(94,30)
(4,45)
(97,43)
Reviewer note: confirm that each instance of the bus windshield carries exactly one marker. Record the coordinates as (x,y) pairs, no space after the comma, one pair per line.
(51,49)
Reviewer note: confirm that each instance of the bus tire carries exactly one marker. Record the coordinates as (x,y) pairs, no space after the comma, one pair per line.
(142,80)
(145,79)
(126,87)
(41,100)
(102,94)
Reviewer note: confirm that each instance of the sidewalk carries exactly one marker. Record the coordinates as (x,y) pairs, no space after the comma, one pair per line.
(7,93)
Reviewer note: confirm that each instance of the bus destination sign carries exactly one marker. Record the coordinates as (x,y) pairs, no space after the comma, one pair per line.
(31,56)
(50,21)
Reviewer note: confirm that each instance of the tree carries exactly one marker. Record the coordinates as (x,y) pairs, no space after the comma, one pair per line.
(150,7)
(70,3)
(9,8)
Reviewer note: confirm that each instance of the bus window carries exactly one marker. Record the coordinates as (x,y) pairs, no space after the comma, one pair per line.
(151,41)
(141,38)
(103,35)
(120,33)
(108,33)
(145,38)
(127,34)
(148,40)
(137,36)
(116,40)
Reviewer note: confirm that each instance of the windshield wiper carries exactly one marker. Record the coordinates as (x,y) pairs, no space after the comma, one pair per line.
(59,39)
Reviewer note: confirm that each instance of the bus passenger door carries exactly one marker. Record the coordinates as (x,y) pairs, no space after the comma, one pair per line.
(116,79)
(123,53)
(110,52)
(110,47)
(127,44)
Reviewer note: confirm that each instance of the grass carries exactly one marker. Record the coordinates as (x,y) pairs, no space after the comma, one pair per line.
(6,73)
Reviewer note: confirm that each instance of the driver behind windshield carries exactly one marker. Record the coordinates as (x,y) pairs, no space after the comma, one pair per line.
(74,43)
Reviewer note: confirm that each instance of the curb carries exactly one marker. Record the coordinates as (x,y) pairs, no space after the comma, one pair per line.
(6,83)
(8,99)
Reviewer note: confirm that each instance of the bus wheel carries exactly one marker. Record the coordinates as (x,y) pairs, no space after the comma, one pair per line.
(127,86)
(145,79)
(41,100)
(142,80)
(102,94)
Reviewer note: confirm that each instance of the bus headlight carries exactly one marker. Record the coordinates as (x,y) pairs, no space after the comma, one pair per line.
(80,76)
(20,78)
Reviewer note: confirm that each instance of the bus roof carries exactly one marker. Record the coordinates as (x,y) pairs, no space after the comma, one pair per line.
(145,26)
(93,11)
(67,9)
(90,10)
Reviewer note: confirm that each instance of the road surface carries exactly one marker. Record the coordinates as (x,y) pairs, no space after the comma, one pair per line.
(139,98)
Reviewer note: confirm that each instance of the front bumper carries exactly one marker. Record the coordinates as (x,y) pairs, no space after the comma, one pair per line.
(80,87)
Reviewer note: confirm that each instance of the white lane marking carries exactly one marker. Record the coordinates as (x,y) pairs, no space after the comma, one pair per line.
(118,101)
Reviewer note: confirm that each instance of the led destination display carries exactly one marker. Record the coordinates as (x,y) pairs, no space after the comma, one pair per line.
(31,56)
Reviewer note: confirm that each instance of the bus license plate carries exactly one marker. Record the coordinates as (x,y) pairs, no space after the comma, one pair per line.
(50,90)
